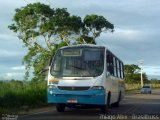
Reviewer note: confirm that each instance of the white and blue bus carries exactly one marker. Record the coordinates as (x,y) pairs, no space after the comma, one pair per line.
(85,75)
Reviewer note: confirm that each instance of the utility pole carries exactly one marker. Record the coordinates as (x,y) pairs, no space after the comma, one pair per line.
(141,65)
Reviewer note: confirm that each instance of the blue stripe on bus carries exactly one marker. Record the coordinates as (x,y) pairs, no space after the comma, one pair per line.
(91,96)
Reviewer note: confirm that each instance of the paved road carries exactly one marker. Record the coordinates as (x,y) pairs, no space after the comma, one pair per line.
(133,106)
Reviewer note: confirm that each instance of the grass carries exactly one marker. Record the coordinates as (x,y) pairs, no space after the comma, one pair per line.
(15,95)
(130,87)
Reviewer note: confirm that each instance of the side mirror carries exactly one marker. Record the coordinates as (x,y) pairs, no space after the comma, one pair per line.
(45,70)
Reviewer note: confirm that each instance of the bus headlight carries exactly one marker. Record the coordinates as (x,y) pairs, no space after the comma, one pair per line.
(98,87)
(51,92)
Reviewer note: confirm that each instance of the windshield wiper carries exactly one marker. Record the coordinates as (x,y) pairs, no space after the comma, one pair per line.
(76,67)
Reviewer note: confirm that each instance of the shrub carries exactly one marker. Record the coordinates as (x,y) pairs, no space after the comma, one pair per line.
(15,94)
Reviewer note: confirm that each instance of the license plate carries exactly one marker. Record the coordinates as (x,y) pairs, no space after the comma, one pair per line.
(72,101)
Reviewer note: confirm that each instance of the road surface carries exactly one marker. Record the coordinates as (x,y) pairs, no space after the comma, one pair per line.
(134,106)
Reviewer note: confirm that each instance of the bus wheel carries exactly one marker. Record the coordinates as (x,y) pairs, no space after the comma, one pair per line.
(60,107)
(108,100)
(105,107)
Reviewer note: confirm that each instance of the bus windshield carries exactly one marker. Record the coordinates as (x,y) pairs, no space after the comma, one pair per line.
(78,62)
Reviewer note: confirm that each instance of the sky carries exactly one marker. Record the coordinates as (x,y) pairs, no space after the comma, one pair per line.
(136,36)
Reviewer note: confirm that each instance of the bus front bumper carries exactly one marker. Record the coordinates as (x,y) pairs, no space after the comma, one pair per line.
(91,96)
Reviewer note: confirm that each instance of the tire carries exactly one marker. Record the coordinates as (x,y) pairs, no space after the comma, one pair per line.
(109,100)
(60,107)
(105,107)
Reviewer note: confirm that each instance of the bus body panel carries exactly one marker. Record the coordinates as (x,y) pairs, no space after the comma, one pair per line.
(112,85)
(95,97)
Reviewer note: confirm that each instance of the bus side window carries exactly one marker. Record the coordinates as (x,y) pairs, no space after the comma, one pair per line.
(118,68)
(110,67)
(115,66)
(122,74)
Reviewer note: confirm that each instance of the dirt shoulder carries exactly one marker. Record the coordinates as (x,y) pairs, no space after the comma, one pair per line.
(35,110)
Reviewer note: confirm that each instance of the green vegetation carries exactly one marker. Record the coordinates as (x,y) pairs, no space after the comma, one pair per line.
(43,30)
(15,95)
(154,81)
(133,78)
(132,74)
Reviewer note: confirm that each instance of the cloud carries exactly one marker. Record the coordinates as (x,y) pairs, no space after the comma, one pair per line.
(125,34)
(7,53)
(152,71)
(133,44)
(5,36)
(12,75)
(17,68)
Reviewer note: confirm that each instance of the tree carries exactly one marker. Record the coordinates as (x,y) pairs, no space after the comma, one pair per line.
(154,81)
(94,26)
(132,74)
(43,30)
(131,69)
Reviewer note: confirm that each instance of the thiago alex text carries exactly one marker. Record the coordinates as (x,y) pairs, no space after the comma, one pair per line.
(130,117)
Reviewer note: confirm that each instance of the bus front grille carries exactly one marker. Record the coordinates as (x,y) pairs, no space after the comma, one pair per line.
(73,88)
